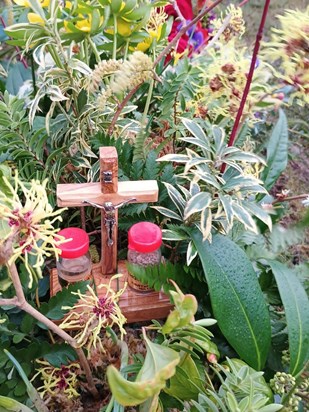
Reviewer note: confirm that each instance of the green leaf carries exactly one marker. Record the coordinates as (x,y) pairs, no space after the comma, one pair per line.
(53,308)
(167,212)
(296,306)
(196,130)
(17,76)
(186,383)
(197,203)
(277,152)
(9,404)
(237,300)
(160,365)
(32,392)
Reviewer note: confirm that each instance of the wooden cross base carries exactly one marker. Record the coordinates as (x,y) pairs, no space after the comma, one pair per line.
(135,306)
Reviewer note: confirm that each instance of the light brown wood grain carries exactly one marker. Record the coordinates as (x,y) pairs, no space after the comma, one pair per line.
(73,194)
(136,306)
(109,163)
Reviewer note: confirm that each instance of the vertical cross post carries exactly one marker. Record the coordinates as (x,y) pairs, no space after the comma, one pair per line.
(108,195)
(109,215)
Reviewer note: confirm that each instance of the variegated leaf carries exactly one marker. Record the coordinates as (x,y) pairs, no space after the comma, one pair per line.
(244,217)
(195,129)
(197,203)
(178,158)
(191,253)
(206,223)
(168,234)
(259,212)
(176,197)
(167,212)
(226,202)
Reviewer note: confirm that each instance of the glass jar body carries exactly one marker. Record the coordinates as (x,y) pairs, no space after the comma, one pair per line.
(142,259)
(74,269)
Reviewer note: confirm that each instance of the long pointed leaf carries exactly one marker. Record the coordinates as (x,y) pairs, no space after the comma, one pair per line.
(237,300)
(277,152)
(296,306)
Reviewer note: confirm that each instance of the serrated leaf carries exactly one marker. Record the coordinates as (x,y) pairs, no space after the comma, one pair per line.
(53,308)
(296,306)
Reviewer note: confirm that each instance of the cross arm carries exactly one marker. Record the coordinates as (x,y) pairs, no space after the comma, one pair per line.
(75,194)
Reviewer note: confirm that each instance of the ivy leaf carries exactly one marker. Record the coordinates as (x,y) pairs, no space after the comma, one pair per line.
(53,308)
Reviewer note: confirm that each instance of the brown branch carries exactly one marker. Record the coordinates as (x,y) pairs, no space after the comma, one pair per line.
(120,108)
(249,79)
(281,199)
(20,301)
(164,52)
(21,58)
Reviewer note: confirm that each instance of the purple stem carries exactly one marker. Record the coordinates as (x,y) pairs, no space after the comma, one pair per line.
(16,47)
(249,79)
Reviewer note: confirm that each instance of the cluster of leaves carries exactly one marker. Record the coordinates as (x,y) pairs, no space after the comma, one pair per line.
(22,335)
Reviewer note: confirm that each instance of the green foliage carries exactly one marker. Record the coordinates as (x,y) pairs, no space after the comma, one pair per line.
(53,309)
(214,201)
(9,404)
(160,364)
(277,152)
(158,277)
(296,306)
(33,394)
(242,389)
(236,297)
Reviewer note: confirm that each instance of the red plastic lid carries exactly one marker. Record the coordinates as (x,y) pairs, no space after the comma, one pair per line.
(78,246)
(144,237)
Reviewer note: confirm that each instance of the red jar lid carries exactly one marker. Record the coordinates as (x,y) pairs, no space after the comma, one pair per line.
(144,237)
(78,246)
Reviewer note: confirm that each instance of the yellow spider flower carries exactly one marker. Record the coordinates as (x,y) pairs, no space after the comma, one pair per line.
(93,314)
(289,48)
(25,3)
(224,80)
(29,221)
(235,27)
(58,380)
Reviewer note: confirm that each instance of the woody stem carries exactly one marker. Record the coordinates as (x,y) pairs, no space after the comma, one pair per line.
(20,301)
(249,79)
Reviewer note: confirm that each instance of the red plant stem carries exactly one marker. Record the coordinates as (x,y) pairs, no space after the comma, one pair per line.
(16,47)
(249,79)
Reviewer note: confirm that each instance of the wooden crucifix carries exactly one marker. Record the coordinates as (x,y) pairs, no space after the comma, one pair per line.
(108,195)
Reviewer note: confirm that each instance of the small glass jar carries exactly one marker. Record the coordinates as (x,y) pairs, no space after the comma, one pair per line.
(145,240)
(74,264)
